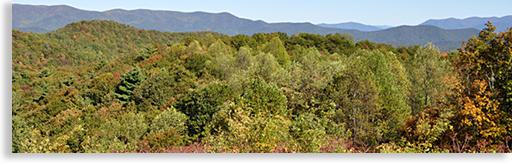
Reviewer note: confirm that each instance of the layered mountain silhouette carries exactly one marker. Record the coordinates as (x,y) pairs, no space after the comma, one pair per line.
(449,23)
(31,18)
(355,25)
(473,22)
(28,17)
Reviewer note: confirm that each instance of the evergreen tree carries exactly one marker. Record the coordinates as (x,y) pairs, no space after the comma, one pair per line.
(45,72)
(129,80)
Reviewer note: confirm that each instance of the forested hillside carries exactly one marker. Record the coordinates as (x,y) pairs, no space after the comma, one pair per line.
(101,86)
(448,40)
(87,42)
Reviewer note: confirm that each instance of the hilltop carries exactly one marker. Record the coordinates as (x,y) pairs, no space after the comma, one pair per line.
(91,41)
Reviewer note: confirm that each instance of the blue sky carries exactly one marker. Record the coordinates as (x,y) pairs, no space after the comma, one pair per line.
(372,12)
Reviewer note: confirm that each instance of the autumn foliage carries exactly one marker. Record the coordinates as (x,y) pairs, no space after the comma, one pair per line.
(102,87)
(483,104)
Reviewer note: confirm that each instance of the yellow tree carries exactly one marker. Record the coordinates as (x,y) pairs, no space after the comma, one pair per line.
(484,94)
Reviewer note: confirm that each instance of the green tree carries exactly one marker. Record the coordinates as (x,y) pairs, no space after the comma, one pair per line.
(146,52)
(68,81)
(426,70)
(43,90)
(20,133)
(244,58)
(261,38)
(196,63)
(159,87)
(309,131)
(263,97)
(304,81)
(243,40)
(129,80)
(244,68)
(297,51)
(218,49)
(355,96)
(194,47)
(257,121)
(117,134)
(391,80)
(264,65)
(276,48)
(176,50)
(222,58)
(169,119)
(368,98)
(14,76)
(45,72)
(100,87)
(201,104)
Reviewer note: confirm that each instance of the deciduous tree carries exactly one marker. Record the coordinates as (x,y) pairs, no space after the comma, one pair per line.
(484,94)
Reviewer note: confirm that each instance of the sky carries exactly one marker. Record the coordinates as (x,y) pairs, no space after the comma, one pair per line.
(371,12)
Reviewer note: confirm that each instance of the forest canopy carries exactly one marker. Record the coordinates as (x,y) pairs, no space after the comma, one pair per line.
(100,86)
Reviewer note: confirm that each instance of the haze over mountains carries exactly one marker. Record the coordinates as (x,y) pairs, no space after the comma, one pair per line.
(31,18)
(450,23)
(473,22)
(356,26)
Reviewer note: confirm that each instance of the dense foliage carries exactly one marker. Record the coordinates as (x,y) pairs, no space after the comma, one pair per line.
(100,86)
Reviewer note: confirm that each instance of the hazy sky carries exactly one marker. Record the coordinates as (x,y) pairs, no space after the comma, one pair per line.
(372,12)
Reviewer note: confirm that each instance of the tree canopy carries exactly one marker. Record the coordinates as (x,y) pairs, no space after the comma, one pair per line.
(100,86)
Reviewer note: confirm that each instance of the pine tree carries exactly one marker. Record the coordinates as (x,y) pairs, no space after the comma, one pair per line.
(129,80)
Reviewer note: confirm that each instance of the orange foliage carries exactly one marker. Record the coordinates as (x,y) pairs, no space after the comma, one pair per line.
(106,113)
(61,118)
(152,59)
(481,100)
(410,126)
(480,112)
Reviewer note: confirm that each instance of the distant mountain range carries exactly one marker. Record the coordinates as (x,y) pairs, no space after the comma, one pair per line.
(355,25)
(450,23)
(446,40)
(49,18)
(31,18)
(473,22)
